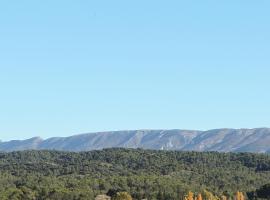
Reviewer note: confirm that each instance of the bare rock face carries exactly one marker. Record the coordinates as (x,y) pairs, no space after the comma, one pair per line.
(222,140)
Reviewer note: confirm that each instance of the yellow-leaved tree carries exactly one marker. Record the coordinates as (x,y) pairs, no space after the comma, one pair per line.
(122,196)
(239,196)
(199,197)
(190,195)
(223,197)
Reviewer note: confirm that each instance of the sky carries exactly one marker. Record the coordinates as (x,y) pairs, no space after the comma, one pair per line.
(70,67)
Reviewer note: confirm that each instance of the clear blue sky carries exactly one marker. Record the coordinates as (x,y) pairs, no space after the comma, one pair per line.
(69,67)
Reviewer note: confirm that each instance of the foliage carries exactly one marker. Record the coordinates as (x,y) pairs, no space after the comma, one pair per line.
(261,193)
(122,196)
(145,174)
(239,196)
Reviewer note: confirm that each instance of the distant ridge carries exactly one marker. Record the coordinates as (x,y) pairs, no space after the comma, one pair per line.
(222,140)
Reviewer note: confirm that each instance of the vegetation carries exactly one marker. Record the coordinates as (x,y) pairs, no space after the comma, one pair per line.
(144,174)
(261,193)
(122,196)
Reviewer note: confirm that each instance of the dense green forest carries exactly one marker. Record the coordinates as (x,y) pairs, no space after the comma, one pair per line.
(144,174)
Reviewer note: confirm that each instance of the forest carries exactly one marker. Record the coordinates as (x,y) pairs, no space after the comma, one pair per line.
(140,174)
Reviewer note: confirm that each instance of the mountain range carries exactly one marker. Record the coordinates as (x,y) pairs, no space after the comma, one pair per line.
(221,140)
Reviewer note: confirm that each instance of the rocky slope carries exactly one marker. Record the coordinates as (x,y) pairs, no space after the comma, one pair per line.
(223,140)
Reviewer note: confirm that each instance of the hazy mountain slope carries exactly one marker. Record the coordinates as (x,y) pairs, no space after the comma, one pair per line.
(17,145)
(234,140)
(150,139)
(223,140)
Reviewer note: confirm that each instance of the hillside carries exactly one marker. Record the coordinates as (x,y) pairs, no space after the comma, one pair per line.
(221,140)
(143,173)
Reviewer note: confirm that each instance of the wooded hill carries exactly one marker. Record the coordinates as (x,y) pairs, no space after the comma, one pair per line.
(142,173)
